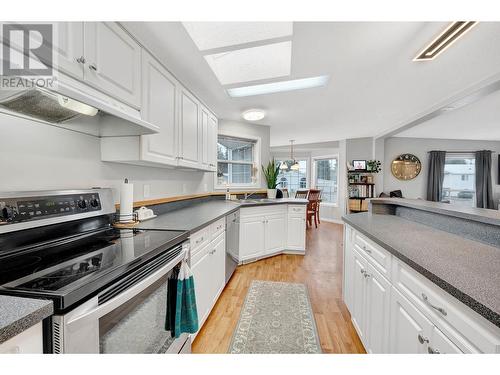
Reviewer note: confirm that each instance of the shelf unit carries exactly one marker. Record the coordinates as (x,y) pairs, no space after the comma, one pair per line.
(359,191)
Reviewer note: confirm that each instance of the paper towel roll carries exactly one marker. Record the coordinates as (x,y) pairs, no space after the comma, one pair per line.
(127,242)
(126,202)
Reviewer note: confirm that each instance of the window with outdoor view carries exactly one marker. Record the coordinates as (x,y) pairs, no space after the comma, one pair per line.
(459,184)
(293,180)
(325,179)
(235,161)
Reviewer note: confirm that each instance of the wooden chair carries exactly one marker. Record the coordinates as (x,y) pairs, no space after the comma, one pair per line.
(313,206)
(301,194)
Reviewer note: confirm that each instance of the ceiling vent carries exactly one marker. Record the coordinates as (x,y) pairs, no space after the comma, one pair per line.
(449,36)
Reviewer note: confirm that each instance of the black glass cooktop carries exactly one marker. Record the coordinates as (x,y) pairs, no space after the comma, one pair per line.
(74,268)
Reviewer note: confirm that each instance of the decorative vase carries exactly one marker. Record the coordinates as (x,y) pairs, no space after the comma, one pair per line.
(271,193)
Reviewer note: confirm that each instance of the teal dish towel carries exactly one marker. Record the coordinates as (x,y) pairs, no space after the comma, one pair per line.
(186,316)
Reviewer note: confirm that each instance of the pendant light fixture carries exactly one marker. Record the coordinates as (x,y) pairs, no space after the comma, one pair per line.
(291,164)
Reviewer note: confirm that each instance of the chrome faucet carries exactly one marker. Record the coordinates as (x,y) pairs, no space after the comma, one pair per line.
(248,195)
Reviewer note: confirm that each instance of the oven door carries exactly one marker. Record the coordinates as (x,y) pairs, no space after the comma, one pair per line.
(127,317)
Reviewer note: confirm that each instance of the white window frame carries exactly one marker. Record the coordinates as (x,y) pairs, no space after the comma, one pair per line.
(313,176)
(256,157)
(466,155)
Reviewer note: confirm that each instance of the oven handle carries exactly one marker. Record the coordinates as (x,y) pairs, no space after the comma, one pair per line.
(101,310)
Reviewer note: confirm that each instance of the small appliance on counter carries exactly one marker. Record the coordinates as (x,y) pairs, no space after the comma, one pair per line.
(145,213)
(109,286)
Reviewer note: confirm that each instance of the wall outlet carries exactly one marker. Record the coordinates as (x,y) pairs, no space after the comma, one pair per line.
(147,190)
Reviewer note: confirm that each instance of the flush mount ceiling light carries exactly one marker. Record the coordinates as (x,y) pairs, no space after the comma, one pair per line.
(252,64)
(274,87)
(210,35)
(254,114)
(444,40)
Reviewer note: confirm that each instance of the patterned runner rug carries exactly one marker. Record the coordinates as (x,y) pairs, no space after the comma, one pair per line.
(276,318)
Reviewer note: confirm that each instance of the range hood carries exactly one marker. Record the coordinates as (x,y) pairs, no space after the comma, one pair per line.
(74,106)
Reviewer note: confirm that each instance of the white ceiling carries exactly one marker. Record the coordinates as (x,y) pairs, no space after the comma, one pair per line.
(478,121)
(374,85)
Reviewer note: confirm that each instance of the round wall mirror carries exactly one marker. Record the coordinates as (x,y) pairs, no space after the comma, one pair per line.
(406,167)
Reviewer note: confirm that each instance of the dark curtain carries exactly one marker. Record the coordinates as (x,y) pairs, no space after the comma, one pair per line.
(484,190)
(436,175)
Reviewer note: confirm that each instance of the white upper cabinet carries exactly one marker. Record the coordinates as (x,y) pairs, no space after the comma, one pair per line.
(113,61)
(189,131)
(68,48)
(159,107)
(204,141)
(213,131)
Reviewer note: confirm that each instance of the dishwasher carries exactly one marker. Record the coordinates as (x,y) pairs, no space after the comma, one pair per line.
(232,243)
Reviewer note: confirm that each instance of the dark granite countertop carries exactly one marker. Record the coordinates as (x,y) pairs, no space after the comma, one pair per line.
(202,214)
(468,270)
(470,213)
(17,314)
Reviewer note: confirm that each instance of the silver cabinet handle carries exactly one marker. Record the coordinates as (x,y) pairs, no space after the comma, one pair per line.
(432,350)
(362,271)
(80,60)
(440,309)
(367,250)
(422,339)
(93,67)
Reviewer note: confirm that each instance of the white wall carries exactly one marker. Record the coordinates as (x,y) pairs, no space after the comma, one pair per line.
(35,156)
(416,188)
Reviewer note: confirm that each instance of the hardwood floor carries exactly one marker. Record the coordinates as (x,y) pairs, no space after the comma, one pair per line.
(320,270)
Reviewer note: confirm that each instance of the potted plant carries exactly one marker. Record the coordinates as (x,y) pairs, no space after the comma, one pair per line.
(373,166)
(271,173)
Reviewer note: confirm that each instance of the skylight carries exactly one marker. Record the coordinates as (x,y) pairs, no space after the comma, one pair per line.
(274,87)
(252,64)
(209,35)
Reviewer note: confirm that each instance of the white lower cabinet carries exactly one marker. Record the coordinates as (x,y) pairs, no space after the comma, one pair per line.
(275,233)
(252,237)
(296,233)
(410,330)
(208,268)
(399,311)
(29,341)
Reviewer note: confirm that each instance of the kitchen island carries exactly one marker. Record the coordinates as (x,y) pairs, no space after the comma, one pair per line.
(441,261)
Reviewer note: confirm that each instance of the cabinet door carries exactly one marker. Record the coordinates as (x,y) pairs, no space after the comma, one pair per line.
(409,329)
(203,285)
(296,232)
(275,233)
(219,266)
(213,131)
(252,231)
(113,61)
(205,138)
(348,269)
(359,296)
(29,341)
(189,130)
(68,48)
(377,311)
(159,103)
(440,344)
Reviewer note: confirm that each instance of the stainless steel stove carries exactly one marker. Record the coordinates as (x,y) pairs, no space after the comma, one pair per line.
(109,286)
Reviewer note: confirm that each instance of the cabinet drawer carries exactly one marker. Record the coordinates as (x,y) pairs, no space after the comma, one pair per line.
(199,239)
(297,209)
(467,329)
(379,257)
(217,228)
(263,210)
(196,257)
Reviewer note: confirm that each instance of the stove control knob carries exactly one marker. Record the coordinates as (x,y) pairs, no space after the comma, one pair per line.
(82,204)
(94,202)
(7,213)
(96,261)
(84,266)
